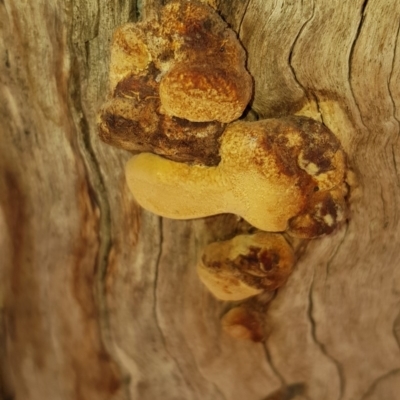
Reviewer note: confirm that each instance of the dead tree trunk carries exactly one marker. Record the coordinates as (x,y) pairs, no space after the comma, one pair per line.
(100,300)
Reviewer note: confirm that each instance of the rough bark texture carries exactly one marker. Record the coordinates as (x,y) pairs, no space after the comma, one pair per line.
(100,300)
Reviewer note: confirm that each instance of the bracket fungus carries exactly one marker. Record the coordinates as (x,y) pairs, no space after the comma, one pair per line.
(278,174)
(246,265)
(175,81)
(178,84)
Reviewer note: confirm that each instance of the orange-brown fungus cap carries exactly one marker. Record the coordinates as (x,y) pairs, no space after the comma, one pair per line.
(174,81)
(205,93)
(242,323)
(246,265)
(209,81)
(278,174)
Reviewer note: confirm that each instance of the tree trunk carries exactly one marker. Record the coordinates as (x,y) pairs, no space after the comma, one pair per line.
(100,299)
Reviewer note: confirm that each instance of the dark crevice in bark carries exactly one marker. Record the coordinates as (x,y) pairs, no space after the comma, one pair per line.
(391,76)
(377,381)
(133,12)
(99,195)
(351,58)
(97,185)
(6,392)
(275,370)
(292,391)
(396,329)
(239,31)
(318,107)
(155,306)
(321,346)
(330,261)
(385,215)
(395,165)
(138,10)
(292,47)
(97,23)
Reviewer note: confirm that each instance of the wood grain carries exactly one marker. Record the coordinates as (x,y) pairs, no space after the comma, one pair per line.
(100,299)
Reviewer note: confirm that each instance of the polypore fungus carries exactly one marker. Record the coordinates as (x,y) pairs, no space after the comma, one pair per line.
(278,174)
(246,265)
(175,81)
(242,323)
(177,84)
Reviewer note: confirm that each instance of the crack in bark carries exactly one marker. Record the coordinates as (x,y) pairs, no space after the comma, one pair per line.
(318,107)
(289,392)
(155,296)
(138,10)
(385,216)
(391,76)
(395,166)
(321,346)
(291,51)
(241,20)
(396,329)
(97,24)
(98,193)
(378,380)
(330,261)
(351,57)
(274,369)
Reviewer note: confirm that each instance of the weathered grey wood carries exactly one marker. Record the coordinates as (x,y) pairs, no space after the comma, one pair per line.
(100,299)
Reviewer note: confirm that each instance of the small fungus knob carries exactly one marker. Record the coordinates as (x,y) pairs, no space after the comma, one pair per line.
(246,265)
(243,324)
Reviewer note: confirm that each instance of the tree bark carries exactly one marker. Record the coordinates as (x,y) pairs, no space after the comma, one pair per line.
(100,299)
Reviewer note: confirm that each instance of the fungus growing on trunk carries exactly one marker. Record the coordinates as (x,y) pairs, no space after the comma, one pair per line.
(175,80)
(278,174)
(178,84)
(246,265)
(243,324)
